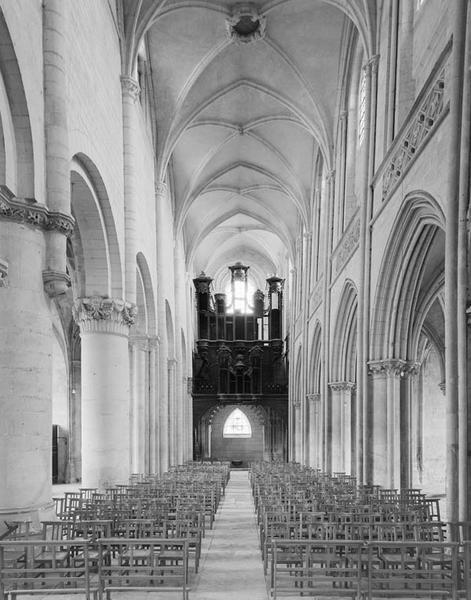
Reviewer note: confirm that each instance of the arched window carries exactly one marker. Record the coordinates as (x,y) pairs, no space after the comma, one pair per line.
(237,425)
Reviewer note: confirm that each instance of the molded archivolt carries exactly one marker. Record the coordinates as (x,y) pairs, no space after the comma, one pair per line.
(314,381)
(344,349)
(15,133)
(412,244)
(170,330)
(99,247)
(146,317)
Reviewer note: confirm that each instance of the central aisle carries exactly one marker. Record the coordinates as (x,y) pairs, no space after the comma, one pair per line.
(231,565)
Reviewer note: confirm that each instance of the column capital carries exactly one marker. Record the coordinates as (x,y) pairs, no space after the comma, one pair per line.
(161,188)
(397,367)
(189,385)
(330,175)
(55,282)
(371,65)
(442,386)
(172,363)
(316,397)
(339,386)
(98,314)
(307,235)
(144,341)
(343,114)
(130,87)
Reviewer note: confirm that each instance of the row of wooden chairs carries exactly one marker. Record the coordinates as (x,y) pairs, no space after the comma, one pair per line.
(322,535)
(143,534)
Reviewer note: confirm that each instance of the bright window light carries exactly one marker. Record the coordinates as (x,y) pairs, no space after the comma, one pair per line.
(237,425)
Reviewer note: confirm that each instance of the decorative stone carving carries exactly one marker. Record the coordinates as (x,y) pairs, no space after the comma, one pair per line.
(104,315)
(189,385)
(141,342)
(130,88)
(55,283)
(442,386)
(372,64)
(246,24)
(161,188)
(316,296)
(3,273)
(36,215)
(422,123)
(316,397)
(342,386)
(347,246)
(393,366)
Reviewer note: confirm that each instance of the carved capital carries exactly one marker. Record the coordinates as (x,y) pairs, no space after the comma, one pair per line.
(130,88)
(189,385)
(153,341)
(33,214)
(98,314)
(342,386)
(343,114)
(161,188)
(396,367)
(141,342)
(442,386)
(316,397)
(371,66)
(171,364)
(55,283)
(3,273)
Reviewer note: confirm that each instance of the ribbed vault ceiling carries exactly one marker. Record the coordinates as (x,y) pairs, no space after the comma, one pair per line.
(240,124)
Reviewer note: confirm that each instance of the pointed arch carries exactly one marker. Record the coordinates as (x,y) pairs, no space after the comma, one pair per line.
(418,229)
(96,238)
(15,119)
(314,384)
(344,347)
(145,297)
(237,425)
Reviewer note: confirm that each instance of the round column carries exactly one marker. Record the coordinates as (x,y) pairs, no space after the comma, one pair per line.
(163,408)
(130,94)
(57,156)
(25,376)
(104,327)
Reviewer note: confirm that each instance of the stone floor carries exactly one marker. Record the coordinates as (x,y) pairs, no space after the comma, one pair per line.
(232,562)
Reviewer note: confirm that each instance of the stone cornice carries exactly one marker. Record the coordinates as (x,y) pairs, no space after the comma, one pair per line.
(98,314)
(35,215)
(339,386)
(130,88)
(393,366)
